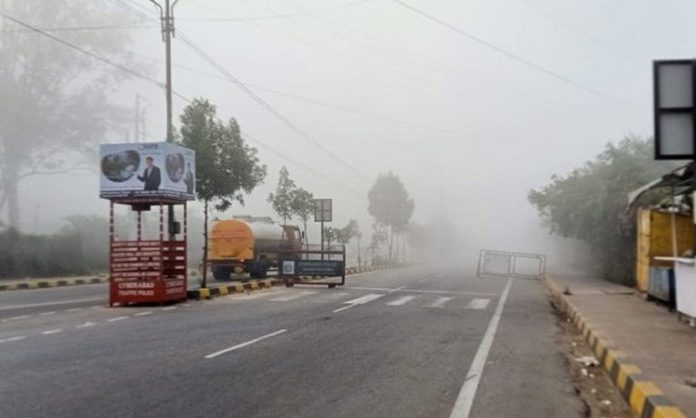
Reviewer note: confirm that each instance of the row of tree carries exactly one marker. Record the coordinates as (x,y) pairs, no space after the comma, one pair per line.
(591,204)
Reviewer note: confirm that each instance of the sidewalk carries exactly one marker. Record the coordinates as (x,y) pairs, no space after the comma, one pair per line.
(639,333)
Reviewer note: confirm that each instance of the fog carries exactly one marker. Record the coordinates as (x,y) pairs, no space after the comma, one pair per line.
(470,121)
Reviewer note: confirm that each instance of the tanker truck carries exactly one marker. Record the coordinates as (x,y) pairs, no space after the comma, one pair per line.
(250,245)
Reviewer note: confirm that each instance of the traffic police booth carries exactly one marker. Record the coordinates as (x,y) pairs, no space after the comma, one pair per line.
(156,179)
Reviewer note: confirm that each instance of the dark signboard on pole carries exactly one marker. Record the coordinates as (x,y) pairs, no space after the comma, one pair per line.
(322,210)
(675,111)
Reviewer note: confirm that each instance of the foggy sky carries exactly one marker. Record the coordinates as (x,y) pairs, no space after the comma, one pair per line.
(509,127)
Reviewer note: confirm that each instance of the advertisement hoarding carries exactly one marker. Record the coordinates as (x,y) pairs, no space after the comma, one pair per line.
(147,170)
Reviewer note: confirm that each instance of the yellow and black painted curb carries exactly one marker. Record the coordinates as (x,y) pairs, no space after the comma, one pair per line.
(233,288)
(643,395)
(43,284)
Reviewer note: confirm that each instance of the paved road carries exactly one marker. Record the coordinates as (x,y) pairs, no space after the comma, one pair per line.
(402,343)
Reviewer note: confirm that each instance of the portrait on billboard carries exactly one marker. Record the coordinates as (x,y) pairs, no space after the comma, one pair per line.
(152,169)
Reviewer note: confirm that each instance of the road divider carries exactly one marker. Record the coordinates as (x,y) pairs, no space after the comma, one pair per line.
(644,397)
(47,283)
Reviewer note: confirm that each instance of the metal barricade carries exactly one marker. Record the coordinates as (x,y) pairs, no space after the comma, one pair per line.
(494,263)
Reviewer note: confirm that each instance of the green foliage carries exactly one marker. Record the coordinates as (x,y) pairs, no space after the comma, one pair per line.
(390,206)
(56,98)
(590,204)
(282,199)
(23,255)
(347,233)
(302,204)
(226,167)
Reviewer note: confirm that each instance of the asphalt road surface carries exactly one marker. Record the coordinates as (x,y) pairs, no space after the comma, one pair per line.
(416,342)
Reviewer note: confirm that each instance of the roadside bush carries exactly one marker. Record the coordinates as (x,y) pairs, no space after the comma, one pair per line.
(24,255)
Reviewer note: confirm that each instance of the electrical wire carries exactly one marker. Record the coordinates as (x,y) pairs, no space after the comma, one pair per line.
(274,16)
(162,85)
(504,52)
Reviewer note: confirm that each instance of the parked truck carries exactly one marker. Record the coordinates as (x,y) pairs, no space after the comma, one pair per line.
(250,245)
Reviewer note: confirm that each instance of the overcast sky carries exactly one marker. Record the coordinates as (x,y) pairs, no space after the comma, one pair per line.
(470,120)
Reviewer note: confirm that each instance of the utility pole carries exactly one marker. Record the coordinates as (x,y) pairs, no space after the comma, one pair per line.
(168,32)
(167,21)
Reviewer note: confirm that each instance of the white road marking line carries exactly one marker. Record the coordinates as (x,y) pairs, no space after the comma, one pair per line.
(292,296)
(186,305)
(364,299)
(118,318)
(144,313)
(169,308)
(478,304)
(401,301)
(440,302)
(12,318)
(379,289)
(465,399)
(396,289)
(238,346)
(359,301)
(433,291)
(52,331)
(85,325)
(343,308)
(47,313)
(7,340)
(73,310)
(36,305)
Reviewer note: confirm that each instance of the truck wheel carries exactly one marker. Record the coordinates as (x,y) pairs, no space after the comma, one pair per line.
(222,273)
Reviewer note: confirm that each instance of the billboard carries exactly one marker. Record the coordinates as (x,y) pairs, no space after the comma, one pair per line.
(147,170)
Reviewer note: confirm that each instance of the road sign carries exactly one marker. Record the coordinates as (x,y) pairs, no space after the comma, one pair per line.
(322,210)
(326,268)
(675,110)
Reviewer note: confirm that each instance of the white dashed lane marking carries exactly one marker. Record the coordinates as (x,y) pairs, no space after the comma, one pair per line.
(293,296)
(478,304)
(52,331)
(17,338)
(118,318)
(401,301)
(144,313)
(86,325)
(47,313)
(440,302)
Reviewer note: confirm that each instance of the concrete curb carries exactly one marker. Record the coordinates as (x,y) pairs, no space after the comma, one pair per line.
(643,395)
(53,283)
(224,290)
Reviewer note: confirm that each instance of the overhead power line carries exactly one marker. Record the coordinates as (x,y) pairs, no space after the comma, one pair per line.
(270,109)
(504,52)
(119,26)
(249,92)
(161,85)
(275,16)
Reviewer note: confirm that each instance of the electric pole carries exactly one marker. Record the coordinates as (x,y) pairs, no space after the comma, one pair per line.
(167,22)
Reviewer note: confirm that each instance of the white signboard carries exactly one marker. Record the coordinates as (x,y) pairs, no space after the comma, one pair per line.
(152,170)
(675,112)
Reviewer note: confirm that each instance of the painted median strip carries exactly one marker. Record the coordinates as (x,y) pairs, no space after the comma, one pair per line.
(644,397)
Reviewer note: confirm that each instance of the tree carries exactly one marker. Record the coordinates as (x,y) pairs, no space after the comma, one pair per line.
(226,167)
(302,205)
(56,97)
(283,198)
(590,203)
(390,206)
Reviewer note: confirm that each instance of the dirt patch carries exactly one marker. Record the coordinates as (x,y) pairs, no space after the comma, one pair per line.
(591,381)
